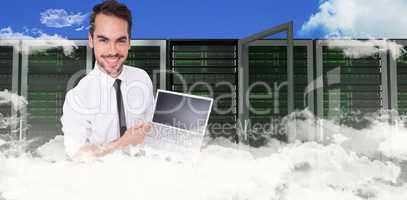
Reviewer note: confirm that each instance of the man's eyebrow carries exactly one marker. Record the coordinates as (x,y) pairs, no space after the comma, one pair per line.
(122,38)
(102,37)
(106,38)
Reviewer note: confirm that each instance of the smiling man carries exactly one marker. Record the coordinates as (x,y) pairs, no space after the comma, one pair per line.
(111,106)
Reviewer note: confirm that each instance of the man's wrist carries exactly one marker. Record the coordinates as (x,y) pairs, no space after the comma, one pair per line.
(112,146)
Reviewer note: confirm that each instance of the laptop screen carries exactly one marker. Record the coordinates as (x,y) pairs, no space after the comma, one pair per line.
(182,111)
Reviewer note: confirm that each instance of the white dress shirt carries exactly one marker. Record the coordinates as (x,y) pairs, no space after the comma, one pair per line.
(90,113)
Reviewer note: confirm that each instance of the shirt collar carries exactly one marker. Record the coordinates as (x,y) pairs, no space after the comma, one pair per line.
(106,78)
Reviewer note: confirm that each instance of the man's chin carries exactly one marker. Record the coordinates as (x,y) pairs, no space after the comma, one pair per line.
(111,70)
(114,72)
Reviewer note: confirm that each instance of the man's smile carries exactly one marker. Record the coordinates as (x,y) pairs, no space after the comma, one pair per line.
(112,60)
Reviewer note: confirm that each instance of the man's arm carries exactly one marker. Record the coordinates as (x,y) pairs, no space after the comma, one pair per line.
(75,125)
(133,135)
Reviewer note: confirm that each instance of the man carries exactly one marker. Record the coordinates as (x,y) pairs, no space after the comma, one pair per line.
(110,107)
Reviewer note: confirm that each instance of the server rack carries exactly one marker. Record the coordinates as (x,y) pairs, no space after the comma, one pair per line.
(208,68)
(9,62)
(150,55)
(365,84)
(45,75)
(350,84)
(398,82)
(268,84)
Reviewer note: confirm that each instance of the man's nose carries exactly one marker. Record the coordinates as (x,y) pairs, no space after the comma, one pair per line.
(112,48)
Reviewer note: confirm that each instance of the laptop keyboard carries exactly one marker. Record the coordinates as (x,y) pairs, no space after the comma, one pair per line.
(163,137)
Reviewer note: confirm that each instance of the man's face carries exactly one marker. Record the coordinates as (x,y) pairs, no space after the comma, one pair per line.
(110,42)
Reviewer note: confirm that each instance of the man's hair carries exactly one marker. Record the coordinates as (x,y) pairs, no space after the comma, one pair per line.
(111,7)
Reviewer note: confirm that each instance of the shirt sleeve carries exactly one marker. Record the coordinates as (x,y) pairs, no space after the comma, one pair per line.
(75,126)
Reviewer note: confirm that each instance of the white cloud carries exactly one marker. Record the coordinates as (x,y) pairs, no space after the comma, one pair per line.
(7,33)
(59,18)
(361,18)
(359,48)
(45,40)
(9,98)
(80,28)
(377,18)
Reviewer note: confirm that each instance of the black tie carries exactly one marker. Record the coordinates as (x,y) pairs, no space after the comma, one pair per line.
(120,107)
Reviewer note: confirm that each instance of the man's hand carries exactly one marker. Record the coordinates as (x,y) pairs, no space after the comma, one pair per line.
(133,135)
(92,150)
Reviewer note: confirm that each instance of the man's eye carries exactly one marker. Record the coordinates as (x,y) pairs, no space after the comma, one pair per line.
(123,41)
(102,40)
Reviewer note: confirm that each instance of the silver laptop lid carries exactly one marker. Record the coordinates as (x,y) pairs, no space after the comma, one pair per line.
(182,111)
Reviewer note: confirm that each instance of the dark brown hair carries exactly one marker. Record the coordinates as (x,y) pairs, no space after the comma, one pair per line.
(111,7)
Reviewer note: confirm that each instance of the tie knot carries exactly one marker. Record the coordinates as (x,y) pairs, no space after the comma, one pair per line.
(117,83)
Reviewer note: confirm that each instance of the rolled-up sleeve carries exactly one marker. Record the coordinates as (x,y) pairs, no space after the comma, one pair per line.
(75,126)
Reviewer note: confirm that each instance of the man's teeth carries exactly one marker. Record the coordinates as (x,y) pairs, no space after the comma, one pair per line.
(112,59)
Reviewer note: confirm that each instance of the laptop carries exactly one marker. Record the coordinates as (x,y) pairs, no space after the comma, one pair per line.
(179,123)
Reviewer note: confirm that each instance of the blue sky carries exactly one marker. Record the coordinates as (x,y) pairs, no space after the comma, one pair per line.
(212,18)
(171,19)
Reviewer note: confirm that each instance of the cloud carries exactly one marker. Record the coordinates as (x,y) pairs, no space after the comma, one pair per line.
(59,18)
(377,18)
(45,40)
(7,33)
(9,98)
(361,18)
(359,48)
(80,28)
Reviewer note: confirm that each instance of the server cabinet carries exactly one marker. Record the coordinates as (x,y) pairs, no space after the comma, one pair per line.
(350,85)
(268,85)
(150,55)
(46,75)
(398,81)
(208,68)
(9,61)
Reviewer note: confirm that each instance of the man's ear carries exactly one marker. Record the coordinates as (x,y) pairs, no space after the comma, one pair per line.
(90,41)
